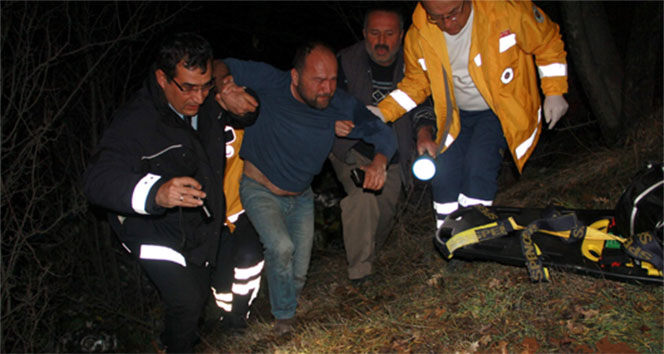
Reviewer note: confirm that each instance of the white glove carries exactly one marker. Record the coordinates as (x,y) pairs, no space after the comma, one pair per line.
(555,107)
(376,111)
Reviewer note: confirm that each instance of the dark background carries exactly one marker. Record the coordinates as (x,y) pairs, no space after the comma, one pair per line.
(67,66)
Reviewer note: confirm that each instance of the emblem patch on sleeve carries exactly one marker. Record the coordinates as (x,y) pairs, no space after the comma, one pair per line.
(538,15)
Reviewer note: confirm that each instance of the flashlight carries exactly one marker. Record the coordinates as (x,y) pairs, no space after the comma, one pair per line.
(424,167)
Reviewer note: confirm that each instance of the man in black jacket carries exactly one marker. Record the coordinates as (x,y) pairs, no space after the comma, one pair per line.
(159,171)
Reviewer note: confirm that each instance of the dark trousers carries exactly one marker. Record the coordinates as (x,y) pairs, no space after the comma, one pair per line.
(238,271)
(467,172)
(184,291)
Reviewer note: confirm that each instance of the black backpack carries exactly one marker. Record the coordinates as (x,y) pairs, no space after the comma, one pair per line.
(640,206)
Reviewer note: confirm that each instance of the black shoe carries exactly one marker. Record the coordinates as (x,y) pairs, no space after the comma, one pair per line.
(360,282)
(233,323)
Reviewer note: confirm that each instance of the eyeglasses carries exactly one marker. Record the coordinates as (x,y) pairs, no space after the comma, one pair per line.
(188,88)
(451,16)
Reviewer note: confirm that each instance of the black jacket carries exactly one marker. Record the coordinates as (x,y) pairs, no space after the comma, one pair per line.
(147,139)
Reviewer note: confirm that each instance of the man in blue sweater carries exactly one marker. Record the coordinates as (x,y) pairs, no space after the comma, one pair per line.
(286,149)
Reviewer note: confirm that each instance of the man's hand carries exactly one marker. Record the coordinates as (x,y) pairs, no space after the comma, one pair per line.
(234,98)
(343,127)
(180,191)
(425,143)
(375,173)
(555,106)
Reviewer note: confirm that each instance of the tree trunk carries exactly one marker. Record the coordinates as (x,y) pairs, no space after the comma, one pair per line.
(598,61)
(643,55)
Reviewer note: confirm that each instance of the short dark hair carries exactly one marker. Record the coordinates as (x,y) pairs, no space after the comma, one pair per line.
(383,9)
(304,50)
(195,50)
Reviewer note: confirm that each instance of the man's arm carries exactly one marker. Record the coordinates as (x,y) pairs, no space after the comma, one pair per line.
(541,37)
(230,96)
(372,130)
(424,125)
(117,179)
(414,88)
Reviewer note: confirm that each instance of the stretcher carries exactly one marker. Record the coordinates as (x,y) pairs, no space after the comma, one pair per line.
(579,241)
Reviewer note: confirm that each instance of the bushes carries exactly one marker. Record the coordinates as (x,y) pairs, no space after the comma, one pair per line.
(63,75)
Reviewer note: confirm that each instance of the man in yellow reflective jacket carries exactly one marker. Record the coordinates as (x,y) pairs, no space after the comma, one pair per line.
(475,58)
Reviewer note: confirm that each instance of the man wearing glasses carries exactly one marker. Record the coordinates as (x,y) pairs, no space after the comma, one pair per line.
(475,58)
(158,170)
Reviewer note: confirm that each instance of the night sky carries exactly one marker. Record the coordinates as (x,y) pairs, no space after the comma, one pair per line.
(270,31)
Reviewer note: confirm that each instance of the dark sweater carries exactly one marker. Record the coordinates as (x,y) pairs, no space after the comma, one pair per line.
(290,141)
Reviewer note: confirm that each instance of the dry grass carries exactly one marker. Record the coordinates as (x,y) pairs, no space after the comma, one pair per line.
(418,302)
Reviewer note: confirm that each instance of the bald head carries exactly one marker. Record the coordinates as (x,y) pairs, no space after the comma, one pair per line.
(314,75)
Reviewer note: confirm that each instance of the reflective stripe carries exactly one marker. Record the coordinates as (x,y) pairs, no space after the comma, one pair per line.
(230,151)
(507,42)
(507,76)
(403,100)
(465,201)
(439,223)
(244,289)
(423,64)
(228,307)
(555,69)
(125,247)
(162,253)
(442,210)
(246,273)
(227,297)
(254,294)
(445,208)
(224,306)
(162,151)
(141,191)
(449,140)
(524,146)
(223,300)
(478,60)
(233,218)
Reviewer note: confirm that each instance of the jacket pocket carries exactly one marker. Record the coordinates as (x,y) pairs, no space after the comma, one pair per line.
(173,161)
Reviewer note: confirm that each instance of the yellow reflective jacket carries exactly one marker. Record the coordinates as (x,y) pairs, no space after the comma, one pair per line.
(505,36)
(233,175)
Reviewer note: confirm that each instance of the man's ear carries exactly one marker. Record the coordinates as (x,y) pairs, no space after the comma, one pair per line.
(161,78)
(295,76)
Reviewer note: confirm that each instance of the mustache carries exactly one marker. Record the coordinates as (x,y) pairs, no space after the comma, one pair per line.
(383,46)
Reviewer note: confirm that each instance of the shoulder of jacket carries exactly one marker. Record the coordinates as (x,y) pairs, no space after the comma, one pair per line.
(354,50)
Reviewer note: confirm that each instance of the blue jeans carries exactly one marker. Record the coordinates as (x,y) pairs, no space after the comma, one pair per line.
(285,225)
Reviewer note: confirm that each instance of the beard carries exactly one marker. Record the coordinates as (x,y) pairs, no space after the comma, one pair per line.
(314,102)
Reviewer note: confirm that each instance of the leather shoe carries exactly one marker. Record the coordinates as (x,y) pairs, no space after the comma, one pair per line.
(283,326)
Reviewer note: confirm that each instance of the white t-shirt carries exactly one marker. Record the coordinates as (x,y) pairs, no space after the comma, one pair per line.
(467,96)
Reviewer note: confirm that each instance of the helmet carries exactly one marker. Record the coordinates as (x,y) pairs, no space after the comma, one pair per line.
(640,206)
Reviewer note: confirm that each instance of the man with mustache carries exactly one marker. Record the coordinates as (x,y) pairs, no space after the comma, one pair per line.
(370,69)
(286,149)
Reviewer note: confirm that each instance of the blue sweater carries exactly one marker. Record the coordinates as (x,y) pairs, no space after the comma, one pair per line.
(290,140)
